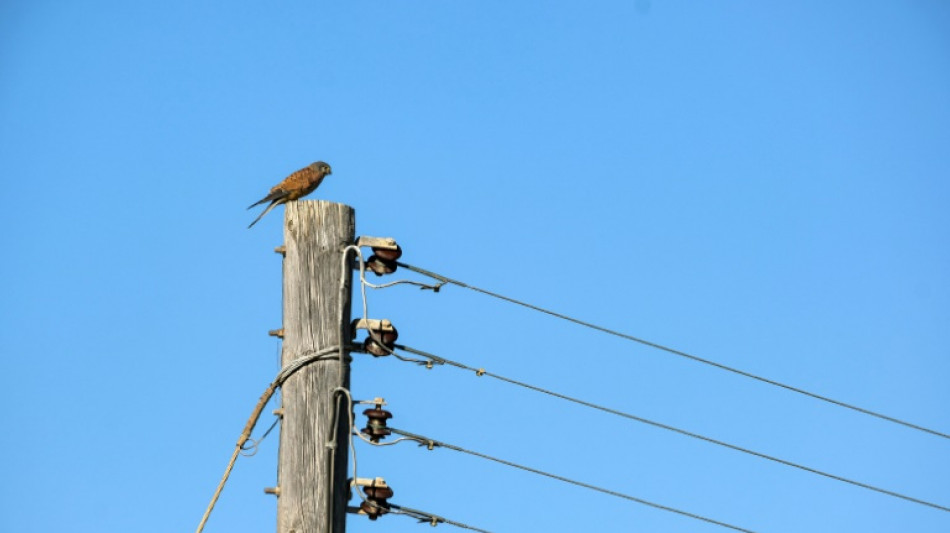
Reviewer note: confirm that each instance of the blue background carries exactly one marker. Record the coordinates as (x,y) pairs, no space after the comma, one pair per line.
(764,184)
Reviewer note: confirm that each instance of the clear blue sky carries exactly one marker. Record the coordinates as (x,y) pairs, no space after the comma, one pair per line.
(764,184)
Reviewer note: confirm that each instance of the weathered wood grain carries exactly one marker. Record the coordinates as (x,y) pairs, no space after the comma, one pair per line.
(315,233)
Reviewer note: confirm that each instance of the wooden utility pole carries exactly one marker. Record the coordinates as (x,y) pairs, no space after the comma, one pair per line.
(309,501)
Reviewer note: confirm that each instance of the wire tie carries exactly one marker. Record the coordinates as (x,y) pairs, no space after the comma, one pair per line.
(249,451)
(480,372)
(434,288)
(429,365)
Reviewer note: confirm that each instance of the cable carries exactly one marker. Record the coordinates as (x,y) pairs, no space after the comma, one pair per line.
(430,518)
(282,376)
(296,365)
(483,372)
(680,353)
(432,443)
(251,451)
(331,445)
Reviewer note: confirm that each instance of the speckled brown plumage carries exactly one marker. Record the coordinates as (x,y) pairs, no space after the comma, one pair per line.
(294,186)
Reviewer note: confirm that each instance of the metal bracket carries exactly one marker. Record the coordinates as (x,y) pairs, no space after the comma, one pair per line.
(371,324)
(367,482)
(377,401)
(381,243)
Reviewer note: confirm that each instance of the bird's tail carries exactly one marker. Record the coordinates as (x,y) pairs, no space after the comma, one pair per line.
(260,216)
(272,197)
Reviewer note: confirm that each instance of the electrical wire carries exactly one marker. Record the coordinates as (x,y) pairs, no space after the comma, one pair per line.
(426,441)
(251,450)
(680,353)
(429,518)
(331,446)
(296,365)
(282,376)
(482,372)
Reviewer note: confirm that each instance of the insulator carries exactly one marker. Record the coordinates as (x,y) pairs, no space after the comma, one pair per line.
(388,336)
(380,266)
(378,341)
(374,348)
(376,503)
(376,424)
(388,255)
(378,494)
(374,511)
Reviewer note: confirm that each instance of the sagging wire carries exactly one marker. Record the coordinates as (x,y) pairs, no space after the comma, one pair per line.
(432,443)
(443,280)
(482,372)
(282,376)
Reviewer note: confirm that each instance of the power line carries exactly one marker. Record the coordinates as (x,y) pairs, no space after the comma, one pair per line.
(282,376)
(433,443)
(673,351)
(483,372)
(430,518)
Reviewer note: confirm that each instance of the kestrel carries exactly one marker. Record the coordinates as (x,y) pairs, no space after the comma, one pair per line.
(294,186)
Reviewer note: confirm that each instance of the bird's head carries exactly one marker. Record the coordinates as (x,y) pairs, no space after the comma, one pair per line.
(321,167)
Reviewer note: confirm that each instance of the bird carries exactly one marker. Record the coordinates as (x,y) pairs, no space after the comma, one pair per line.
(297,185)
